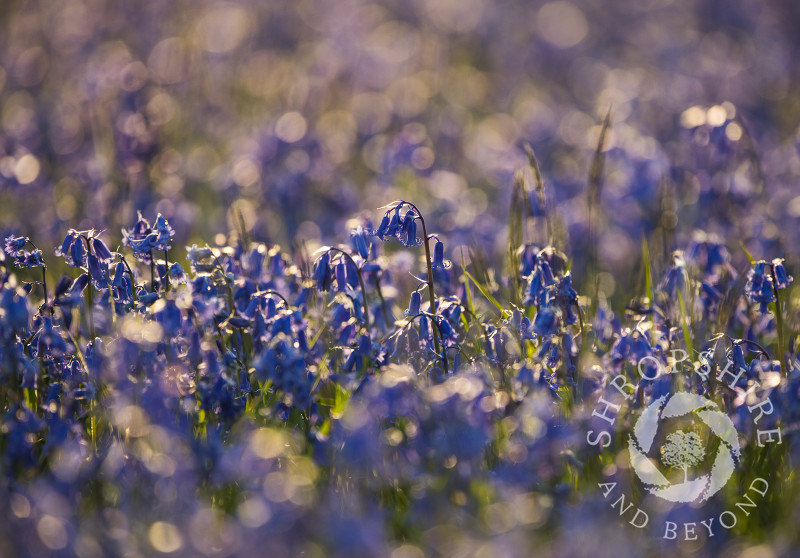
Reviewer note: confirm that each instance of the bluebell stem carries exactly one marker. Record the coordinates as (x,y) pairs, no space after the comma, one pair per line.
(395,229)
(780,280)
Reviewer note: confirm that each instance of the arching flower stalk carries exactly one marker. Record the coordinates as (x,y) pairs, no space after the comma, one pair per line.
(405,230)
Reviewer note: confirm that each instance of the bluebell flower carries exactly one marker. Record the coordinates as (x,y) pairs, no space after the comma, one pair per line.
(140,239)
(101,251)
(540,283)
(198,255)
(98,270)
(414,304)
(394,224)
(176,273)
(340,273)
(120,273)
(383,228)
(708,253)
(77,253)
(546,273)
(738,358)
(239,322)
(709,297)
(28,260)
(95,357)
(14,244)
(72,249)
(122,288)
(446,329)
(322,272)
(567,299)
(632,346)
(168,315)
(80,283)
(759,285)
(362,351)
(15,306)
(546,322)
(164,233)
(782,280)
(351,275)
(359,239)
(438,256)
(676,277)
(285,367)
(424,328)
(409,228)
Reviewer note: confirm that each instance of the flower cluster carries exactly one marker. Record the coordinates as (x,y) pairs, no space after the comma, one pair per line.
(764,280)
(143,239)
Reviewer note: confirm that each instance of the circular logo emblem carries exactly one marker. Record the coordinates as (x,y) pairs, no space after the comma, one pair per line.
(678,431)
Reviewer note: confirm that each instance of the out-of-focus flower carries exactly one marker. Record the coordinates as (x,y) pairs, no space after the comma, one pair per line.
(782,280)
(546,322)
(176,273)
(759,285)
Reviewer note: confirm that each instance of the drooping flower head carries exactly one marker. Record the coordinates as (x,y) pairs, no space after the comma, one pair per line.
(403,228)
(14,245)
(22,258)
(759,285)
(73,249)
(782,280)
(141,239)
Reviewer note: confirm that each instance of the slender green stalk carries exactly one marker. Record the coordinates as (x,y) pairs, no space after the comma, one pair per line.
(593,201)
(152,272)
(539,186)
(431,293)
(90,293)
(166,270)
(779,322)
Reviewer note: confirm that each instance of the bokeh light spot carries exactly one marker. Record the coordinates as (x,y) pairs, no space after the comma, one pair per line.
(562,24)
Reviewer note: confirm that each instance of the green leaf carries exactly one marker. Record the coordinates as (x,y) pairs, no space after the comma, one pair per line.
(466,284)
(484,292)
(746,253)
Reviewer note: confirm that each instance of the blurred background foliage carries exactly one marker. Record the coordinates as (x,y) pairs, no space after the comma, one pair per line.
(301,114)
